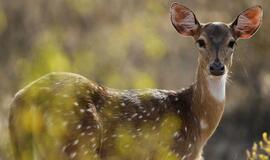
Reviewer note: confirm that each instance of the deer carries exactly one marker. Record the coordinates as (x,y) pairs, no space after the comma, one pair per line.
(67,116)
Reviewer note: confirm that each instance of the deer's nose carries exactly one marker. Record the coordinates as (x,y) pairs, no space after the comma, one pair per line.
(217,68)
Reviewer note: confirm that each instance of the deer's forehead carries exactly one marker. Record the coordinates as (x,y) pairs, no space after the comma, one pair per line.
(216,33)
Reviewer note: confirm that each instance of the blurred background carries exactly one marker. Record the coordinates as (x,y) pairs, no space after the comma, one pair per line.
(132,44)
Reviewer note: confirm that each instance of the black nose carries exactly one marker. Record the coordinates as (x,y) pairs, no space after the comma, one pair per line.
(217,69)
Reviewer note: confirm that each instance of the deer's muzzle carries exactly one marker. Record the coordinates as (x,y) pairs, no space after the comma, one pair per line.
(217,68)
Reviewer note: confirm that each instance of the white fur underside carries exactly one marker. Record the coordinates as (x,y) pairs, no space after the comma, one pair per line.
(216,86)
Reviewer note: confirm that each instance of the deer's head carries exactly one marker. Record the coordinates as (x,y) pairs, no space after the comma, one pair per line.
(216,40)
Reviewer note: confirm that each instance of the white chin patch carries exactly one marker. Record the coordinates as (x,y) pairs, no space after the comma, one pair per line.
(217,86)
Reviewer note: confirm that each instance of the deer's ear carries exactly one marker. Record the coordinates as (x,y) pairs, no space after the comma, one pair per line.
(248,22)
(184,20)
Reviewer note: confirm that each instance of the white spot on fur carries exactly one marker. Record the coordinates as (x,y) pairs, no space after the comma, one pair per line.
(64,148)
(76,142)
(134,115)
(176,134)
(73,155)
(79,126)
(76,103)
(216,86)
(189,145)
(203,124)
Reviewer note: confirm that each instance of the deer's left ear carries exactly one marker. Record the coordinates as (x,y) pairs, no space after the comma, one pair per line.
(248,22)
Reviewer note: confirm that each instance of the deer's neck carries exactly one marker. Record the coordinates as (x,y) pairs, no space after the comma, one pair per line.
(208,102)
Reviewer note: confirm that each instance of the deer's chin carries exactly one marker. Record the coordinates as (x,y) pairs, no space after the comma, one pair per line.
(217,77)
(212,76)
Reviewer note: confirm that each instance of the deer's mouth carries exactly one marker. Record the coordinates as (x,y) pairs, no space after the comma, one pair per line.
(217,73)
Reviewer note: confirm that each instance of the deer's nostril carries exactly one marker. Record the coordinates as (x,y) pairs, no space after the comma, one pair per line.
(211,68)
(222,68)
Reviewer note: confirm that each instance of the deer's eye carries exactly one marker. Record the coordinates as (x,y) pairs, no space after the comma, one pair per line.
(231,44)
(201,43)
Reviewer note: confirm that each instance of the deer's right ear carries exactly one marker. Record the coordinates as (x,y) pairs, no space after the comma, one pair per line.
(184,20)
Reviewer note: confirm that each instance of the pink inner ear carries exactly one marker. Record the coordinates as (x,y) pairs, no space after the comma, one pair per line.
(248,22)
(254,16)
(183,19)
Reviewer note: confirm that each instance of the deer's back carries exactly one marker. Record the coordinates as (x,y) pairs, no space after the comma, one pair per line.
(67,116)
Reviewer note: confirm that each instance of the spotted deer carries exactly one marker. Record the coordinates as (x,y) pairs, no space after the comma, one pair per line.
(66,116)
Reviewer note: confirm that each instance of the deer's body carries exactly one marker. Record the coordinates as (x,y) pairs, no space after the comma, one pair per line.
(66,116)
(106,110)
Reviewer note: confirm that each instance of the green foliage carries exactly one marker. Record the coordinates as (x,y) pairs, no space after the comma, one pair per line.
(49,57)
